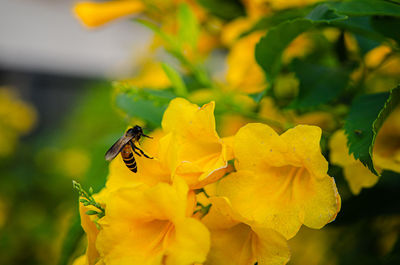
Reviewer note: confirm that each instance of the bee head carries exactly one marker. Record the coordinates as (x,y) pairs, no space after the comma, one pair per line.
(137,130)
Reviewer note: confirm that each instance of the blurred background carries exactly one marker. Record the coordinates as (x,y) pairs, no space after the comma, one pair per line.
(57,119)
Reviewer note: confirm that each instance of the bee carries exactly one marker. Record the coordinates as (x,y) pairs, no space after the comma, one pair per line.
(126,146)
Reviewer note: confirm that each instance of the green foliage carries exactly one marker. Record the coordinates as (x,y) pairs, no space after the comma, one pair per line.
(318,84)
(176,80)
(188,26)
(366,116)
(146,104)
(366,8)
(269,49)
(227,10)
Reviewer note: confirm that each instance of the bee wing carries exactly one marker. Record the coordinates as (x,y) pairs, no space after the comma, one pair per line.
(117,147)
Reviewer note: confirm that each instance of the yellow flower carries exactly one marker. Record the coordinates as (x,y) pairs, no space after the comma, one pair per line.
(356,174)
(299,47)
(191,147)
(244,74)
(94,14)
(151,75)
(152,225)
(238,241)
(281,181)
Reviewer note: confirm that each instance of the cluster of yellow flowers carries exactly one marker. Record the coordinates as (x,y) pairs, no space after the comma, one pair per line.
(190,205)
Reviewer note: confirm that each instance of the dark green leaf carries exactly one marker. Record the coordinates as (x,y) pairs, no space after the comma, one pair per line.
(227,10)
(366,116)
(279,17)
(269,49)
(318,84)
(366,8)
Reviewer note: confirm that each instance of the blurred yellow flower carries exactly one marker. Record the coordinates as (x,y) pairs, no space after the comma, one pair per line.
(151,75)
(299,47)
(281,181)
(152,225)
(93,14)
(238,241)
(386,153)
(16,118)
(356,174)
(244,74)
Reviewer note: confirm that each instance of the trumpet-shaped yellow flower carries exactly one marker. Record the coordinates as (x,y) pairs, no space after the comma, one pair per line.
(281,181)
(151,225)
(355,173)
(238,241)
(191,147)
(93,14)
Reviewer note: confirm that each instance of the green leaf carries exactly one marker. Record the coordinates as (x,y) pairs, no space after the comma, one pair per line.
(279,17)
(176,80)
(157,30)
(146,104)
(269,49)
(188,26)
(366,8)
(224,9)
(318,84)
(91,212)
(366,116)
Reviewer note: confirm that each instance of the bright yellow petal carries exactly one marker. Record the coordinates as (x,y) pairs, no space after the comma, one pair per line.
(91,232)
(94,14)
(304,149)
(191,244)
(191,147)
(257,144)
(80,260)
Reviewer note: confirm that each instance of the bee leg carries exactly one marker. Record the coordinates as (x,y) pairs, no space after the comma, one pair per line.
(134,148)
(141,151)
(147,136)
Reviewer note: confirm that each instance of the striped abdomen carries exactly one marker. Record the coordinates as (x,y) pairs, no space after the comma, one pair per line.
(127,156)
